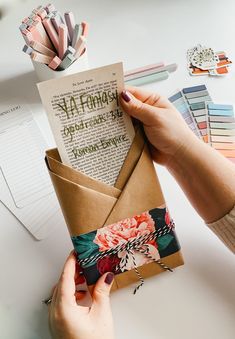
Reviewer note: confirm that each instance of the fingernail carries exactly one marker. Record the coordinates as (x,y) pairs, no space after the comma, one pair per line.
(125,96)
(109,278)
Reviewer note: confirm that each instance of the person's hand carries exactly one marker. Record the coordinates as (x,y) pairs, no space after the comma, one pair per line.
(164,126)
(68,320)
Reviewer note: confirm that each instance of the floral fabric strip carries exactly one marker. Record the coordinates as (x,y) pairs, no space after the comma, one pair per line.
(127,244)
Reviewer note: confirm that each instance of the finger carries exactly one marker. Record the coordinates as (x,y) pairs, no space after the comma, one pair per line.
(53,289)
(66,285)
(53,299)
(149,98)
(79,277)
(54,294)
(102,289)
(147,114)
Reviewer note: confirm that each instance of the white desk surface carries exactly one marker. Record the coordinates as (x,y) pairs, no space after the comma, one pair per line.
(197,301)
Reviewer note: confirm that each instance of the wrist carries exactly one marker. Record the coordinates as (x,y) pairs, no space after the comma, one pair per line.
(184,153)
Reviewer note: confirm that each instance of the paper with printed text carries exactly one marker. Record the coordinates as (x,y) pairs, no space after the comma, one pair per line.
(92,133)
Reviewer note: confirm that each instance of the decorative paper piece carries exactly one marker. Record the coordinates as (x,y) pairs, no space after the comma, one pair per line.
(204,61)
(92,133)
(203,57)
(127,244)
(221,129)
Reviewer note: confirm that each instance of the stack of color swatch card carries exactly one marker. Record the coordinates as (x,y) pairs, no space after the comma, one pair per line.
(213,123)
(53,39)
(221,129)
(196,97)
(191,104)
(205,61)
(150,73)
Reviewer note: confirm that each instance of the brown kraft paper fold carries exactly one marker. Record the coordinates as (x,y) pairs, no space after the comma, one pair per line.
(88,204)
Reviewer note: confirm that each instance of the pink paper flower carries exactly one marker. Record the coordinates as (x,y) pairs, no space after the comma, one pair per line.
(122,231)
(128,229)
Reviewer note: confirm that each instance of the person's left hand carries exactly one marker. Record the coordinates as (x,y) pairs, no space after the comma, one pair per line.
(68,320)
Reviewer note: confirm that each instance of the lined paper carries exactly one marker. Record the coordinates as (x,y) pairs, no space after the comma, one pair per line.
(22,150)
(40,218)
(25,187)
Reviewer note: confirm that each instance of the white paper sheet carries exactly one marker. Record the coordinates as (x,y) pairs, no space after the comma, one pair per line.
(91,131)
(22,151)
(25,186)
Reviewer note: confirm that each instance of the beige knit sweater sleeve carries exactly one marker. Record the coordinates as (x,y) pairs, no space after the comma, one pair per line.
(224,228)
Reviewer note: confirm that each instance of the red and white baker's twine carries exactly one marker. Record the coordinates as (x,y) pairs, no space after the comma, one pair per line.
(138,244)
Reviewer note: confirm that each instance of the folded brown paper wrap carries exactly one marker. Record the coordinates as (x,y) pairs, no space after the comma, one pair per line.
(88,204)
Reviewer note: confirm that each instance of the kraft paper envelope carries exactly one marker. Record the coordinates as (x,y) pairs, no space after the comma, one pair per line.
(88,204)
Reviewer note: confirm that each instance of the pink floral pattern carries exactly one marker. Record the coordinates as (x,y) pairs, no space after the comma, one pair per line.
(126,230)
(122,231)
(97,243)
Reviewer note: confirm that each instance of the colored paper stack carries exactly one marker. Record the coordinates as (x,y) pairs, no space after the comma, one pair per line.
(180,103)
(150,73)
(53,39)
(213,123)
(205,61)
(221,129)
(191,103)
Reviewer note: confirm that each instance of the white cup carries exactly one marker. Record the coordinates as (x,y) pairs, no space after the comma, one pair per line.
(46,73)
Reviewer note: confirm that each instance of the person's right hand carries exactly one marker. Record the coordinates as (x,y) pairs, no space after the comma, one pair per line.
(164,127)
(68,320)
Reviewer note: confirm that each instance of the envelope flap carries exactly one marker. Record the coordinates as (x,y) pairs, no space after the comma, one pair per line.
(142,191)
(84,209)
(57,167)
(131,159)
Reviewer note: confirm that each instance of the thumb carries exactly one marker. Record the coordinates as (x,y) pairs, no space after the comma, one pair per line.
(102,288)
(137,109)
